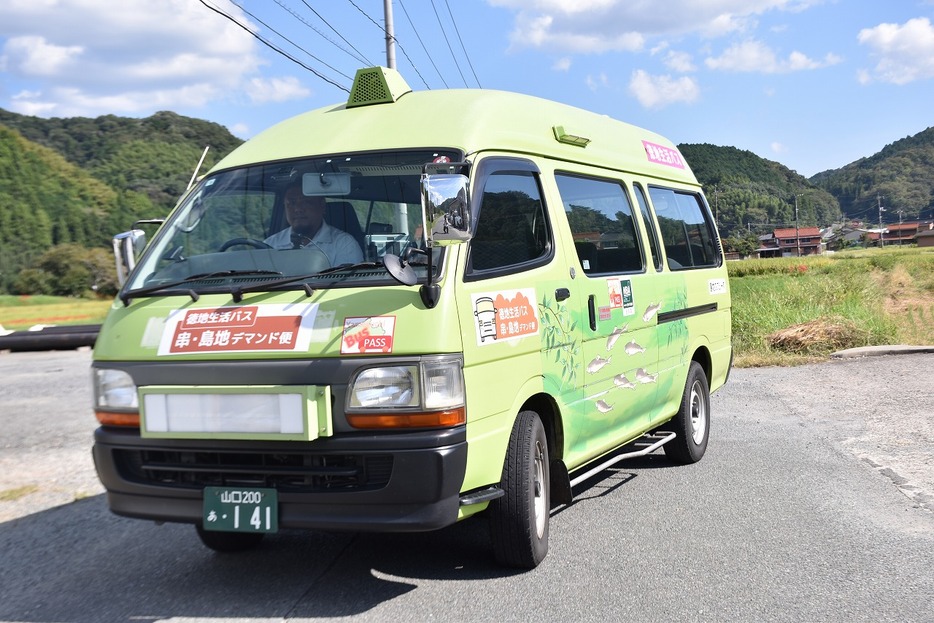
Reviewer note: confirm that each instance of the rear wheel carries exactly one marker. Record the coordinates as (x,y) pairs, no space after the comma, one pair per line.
(692,424)
(229,541)
(519,519)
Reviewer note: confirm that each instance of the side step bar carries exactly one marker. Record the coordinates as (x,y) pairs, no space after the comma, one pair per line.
(665,438)
(560,483)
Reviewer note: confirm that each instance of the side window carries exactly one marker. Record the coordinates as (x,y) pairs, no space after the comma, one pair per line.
(511,227)
(649,225)
(600,216)
(686,228)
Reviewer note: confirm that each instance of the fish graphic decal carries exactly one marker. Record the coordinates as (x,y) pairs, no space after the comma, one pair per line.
(622,382)
(651,310)
(633,348)
(598,362)
(615,335)
(644,377)
(603,407)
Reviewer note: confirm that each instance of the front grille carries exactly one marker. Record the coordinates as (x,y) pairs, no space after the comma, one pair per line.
(298,472)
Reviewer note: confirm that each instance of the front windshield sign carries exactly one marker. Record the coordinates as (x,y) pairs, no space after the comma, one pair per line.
(297,219)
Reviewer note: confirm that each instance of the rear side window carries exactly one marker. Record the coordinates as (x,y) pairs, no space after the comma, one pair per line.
(600,216)
(511,228)
(686,229)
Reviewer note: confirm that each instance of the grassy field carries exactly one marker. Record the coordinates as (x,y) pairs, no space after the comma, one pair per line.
(22,312)
(794,310)
(786,311)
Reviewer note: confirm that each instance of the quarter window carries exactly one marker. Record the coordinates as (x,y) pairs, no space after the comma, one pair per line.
(686,229)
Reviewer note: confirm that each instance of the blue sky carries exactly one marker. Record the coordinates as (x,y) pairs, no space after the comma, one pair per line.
(813,84)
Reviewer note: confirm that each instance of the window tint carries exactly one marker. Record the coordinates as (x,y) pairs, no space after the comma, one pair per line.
(600,216)
(649,225)
(686,229)
(511,227)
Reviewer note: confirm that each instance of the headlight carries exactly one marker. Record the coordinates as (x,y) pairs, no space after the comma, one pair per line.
(393,387)
(114,390)
(428,394)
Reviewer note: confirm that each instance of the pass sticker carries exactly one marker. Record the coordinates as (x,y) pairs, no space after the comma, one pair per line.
(660,154)
(620,291)
(368,334)
(245,328)
(506,315)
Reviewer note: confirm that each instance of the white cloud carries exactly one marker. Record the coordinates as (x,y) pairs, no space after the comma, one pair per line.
(562,64)
(778,148)
(34,55)
(905,52)
(660,91)
(680,62)
(261,90)
(595,26)
(596,82)
(91,57)
(755,56)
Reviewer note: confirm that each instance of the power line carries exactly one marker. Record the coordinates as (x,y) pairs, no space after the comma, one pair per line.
(461,41)
(445,35)
(382,29)
(427,53)
(276,49)
(334,69)
(360,56)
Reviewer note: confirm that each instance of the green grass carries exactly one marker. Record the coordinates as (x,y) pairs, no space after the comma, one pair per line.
(21,312)
(864,298)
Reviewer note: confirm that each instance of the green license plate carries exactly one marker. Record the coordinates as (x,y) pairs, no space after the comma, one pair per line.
(234,509)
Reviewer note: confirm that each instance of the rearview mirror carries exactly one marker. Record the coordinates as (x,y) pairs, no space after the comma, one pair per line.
(446,208)
(127,248)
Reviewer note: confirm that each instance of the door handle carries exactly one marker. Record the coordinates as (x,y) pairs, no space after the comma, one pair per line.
(592,311)
(562,294)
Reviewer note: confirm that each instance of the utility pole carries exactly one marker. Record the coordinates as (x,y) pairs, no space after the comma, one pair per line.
(797,237)
(390,36)
(881,233)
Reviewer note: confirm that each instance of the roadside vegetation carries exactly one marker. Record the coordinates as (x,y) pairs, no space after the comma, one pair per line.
(788,311)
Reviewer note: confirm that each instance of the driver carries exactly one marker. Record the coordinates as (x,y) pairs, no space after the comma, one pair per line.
(307,228)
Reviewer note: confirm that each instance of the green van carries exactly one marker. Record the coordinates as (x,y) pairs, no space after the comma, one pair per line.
(398,312)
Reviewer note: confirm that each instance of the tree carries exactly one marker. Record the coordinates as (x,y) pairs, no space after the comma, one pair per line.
(69,270)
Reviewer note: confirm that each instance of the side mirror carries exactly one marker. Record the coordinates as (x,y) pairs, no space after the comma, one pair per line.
(127,248)
(446,207)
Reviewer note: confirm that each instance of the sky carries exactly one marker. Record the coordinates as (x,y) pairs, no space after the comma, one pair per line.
(812,84)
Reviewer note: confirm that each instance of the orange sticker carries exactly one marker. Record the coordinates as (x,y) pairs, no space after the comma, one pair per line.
(505,315)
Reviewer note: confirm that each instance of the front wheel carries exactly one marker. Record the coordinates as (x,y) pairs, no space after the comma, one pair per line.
(692,423)
(519,519)
(228,542)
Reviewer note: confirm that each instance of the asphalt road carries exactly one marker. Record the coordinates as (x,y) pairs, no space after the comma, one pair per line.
(815,502)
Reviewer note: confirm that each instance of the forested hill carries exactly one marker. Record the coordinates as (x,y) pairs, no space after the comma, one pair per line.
(754,194)
(79,180)
(154,156)
(900,177)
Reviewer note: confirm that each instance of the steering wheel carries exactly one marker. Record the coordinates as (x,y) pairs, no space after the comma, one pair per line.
(250,242)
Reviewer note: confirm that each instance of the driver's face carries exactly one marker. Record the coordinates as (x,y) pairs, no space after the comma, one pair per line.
(304,213)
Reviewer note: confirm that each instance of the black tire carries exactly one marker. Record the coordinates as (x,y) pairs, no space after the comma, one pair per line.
(692,424)
(228,542)
(519,519)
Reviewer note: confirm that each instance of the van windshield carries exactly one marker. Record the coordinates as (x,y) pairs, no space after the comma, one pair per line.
(323,221)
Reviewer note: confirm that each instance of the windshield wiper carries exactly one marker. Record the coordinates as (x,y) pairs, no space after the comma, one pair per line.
(166,288)
(239,291)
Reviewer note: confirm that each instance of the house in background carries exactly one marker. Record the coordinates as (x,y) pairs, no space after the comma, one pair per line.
(791,242)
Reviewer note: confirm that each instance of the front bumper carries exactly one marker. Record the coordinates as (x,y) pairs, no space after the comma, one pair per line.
(396,482)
